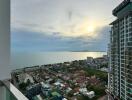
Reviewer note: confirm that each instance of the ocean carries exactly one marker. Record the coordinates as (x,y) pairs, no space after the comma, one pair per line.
(27,59)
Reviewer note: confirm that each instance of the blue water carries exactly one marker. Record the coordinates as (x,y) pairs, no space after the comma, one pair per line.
(20,60)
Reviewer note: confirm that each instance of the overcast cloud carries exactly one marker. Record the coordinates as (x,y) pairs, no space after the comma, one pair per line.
(59,25)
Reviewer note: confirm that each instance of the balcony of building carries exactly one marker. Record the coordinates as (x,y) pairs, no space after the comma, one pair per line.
(9,92)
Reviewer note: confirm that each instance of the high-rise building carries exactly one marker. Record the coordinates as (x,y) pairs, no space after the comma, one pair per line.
(120,52)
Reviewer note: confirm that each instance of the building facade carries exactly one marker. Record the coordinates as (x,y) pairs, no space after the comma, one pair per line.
(120,52)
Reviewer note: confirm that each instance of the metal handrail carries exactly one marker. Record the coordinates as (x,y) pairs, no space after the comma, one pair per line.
(15,92)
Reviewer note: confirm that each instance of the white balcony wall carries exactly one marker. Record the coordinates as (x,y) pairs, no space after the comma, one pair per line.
(4,39)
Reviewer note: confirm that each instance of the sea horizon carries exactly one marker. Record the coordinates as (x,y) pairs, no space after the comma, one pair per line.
(29,59)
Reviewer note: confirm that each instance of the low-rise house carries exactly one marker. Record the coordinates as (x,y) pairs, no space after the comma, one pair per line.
(45,88)
(85,92)
(91,94)
(24,77)
(33,91)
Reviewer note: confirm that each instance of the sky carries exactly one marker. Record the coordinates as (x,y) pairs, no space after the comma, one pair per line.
(61,25)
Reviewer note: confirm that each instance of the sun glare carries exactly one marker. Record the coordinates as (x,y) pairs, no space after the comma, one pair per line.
(90,29)
(85,28)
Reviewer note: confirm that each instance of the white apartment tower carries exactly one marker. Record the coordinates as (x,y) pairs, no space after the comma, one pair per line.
(120,52)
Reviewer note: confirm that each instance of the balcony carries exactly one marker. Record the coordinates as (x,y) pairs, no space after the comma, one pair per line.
(9,92)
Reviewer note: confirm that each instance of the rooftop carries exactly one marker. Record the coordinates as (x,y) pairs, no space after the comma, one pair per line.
(121,6)
(56,94)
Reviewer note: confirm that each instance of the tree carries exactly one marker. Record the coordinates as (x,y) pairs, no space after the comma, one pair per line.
(23,86)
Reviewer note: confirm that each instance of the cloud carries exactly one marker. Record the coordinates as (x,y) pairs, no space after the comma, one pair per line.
(43,25)
(28,41)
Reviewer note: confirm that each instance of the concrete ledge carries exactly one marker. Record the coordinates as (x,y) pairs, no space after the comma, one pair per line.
(16,93)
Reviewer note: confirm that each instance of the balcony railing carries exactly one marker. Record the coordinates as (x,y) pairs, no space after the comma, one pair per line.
(9,92)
